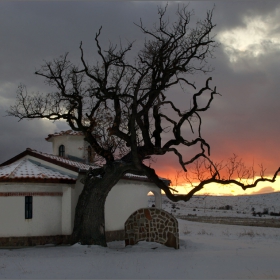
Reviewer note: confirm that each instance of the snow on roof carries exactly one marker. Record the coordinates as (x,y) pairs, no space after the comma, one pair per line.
(67,132)
(65,161)
(28,169)
(142,177)
(7,167)
(85,167)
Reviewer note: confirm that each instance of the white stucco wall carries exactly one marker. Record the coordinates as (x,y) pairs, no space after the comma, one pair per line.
(74,145)
(48,211)
(126,197)
(76,191)
(46,216)
(30,187)
(66,211)
(54,215)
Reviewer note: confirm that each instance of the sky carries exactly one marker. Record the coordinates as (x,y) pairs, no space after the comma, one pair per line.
(244,120)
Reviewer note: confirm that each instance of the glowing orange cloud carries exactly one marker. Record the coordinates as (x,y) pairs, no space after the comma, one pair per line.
(167,167)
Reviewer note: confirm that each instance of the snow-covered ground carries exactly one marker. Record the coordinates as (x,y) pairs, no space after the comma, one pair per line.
(240,206)
(206,251)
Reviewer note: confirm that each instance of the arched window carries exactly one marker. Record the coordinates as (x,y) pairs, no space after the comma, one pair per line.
(154,198)
(151,199)
(61,151)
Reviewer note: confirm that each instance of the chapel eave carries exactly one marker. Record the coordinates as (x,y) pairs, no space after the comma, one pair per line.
(37,180)
(51,159)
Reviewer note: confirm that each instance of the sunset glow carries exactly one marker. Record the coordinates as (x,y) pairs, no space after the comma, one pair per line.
(217,189)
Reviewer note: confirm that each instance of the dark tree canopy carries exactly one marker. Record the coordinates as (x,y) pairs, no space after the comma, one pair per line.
(118,104)
(123,107)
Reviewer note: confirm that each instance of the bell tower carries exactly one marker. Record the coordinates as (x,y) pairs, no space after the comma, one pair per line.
(71,145)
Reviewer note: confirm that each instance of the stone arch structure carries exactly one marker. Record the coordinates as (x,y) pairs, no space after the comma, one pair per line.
(152,225)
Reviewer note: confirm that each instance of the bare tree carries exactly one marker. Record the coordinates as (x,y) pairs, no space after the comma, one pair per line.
(232,171)
(133,96)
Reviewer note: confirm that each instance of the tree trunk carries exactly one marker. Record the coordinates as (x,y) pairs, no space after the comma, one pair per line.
(89,224)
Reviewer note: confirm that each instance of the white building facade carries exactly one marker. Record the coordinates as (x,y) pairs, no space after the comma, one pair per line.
(39,194)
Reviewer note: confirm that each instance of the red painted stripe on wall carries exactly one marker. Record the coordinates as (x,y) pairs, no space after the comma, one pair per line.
(31,193)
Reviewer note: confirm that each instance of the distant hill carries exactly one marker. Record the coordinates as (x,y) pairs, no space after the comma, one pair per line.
(222,206)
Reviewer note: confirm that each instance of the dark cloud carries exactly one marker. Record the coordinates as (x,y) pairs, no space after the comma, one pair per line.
(244,120)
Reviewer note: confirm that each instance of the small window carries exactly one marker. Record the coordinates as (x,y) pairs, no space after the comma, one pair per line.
(61,151)
(28,207)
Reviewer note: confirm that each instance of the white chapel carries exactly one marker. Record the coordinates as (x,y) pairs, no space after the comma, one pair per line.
(39,193)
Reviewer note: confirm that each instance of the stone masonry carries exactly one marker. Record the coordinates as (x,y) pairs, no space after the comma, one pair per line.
(34,240)
(152,225)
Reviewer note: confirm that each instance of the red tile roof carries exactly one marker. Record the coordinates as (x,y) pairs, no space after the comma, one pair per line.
(60,161)
(67,132)
(78,167)
(26,169)
(76,164)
